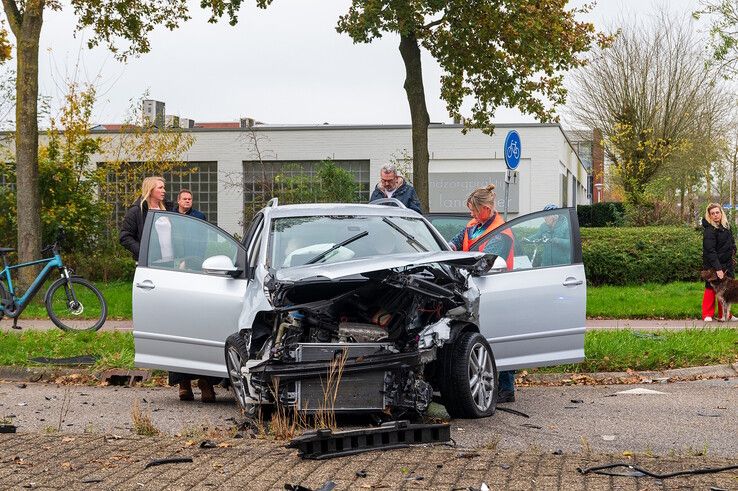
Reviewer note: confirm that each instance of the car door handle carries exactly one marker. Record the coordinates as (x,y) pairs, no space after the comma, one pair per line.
(572,282)
(145,285)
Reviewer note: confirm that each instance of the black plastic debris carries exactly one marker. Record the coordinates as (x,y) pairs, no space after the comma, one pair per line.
(361,473)
(328,486)
(170,460)
(635,471)
(7,428)
(325,444)
(513,411)
(208,444)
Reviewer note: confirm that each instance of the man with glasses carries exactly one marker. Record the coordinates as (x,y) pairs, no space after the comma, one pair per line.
(393,186)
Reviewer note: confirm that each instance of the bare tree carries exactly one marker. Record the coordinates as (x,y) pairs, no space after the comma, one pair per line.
(658,103)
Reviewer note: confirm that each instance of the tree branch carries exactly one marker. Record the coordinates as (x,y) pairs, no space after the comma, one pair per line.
(15,18)
(435,23)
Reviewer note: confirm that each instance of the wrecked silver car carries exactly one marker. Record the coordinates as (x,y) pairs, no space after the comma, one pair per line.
(355,308)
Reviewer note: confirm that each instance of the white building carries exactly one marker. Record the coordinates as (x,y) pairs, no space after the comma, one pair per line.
(229,173)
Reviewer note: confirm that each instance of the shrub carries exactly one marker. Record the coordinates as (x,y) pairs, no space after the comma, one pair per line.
(601,215)
(634,255)
(107,264)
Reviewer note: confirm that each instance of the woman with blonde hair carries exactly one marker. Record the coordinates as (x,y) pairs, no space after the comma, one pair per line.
(718,253)
(478,236)
(152,196)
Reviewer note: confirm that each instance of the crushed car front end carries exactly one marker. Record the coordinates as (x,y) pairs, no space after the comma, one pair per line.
(358,336)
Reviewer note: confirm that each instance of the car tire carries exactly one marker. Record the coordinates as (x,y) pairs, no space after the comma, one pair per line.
(236,354)
(469,379)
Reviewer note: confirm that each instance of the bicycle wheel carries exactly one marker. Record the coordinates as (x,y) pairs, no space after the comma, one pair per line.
(76,305)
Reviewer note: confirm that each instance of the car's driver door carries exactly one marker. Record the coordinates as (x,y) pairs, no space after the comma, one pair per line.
(182,314)
(534,315)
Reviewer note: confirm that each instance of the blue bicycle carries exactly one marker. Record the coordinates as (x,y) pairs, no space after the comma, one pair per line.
(73,303)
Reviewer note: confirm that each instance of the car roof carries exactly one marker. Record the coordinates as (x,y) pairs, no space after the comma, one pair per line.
(325,209)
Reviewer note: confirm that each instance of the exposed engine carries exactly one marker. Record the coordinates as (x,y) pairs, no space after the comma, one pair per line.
(371,334)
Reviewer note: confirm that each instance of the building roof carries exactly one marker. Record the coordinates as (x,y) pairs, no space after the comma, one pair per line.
(219,125)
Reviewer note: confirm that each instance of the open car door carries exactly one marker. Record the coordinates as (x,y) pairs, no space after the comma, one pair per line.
(184,307)
(534,314)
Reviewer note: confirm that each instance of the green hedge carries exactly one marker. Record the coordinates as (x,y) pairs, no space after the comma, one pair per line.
(601,215)
(635,255)
(105,266)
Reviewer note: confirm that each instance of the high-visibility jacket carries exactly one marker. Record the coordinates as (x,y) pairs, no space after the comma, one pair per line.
(469,244)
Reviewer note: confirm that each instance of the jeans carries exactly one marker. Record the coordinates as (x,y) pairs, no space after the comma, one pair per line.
(506,381)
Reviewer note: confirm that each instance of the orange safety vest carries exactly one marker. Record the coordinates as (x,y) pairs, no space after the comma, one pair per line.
(479,245)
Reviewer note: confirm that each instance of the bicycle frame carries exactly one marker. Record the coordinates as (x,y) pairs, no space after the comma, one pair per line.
(51,263)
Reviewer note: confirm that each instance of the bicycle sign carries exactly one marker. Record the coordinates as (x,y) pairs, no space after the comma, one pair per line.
(512,150)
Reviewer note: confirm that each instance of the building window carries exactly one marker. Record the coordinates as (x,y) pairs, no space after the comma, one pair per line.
(203,183)
(564,191)
(258,179)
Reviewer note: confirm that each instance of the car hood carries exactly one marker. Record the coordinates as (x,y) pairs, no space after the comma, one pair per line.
(333,271)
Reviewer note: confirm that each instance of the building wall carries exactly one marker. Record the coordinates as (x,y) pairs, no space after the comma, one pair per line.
(546,156)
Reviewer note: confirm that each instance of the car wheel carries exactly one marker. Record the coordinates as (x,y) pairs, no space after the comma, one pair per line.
(236,354)
(469,388)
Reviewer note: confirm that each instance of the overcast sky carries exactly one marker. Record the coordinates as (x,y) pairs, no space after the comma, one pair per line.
(282,65)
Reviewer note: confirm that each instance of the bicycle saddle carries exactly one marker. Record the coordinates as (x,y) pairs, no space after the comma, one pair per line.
(5,250)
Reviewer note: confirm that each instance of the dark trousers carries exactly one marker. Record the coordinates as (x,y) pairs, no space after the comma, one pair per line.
(506,381)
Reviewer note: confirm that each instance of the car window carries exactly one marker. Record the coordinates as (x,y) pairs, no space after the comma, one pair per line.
(178,242)
(296,240)
(449,226)
(542,241)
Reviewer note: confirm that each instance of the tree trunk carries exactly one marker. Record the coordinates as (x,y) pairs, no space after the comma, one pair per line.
(418,115)
(27,29)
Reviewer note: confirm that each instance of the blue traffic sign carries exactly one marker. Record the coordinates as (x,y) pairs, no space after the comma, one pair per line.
(512,150)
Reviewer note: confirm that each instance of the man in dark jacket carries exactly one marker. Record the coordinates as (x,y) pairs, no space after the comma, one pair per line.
(184,205)
(393,186)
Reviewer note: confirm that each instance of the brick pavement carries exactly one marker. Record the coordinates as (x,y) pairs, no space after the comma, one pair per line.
(90,461)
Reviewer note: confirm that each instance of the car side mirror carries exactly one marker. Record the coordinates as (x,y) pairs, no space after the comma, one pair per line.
(220,265)
(489,263)
(499,266)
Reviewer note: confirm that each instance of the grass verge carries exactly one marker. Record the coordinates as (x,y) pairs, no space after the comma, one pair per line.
(117,295)
(113,349)
(606,351)
(679,300)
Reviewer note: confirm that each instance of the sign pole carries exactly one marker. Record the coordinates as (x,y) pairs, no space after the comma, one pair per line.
(507,192)
(512,152)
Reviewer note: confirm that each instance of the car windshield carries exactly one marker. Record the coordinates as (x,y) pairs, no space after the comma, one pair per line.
(296,240)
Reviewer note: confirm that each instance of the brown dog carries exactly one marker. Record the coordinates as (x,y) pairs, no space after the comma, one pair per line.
(726,290)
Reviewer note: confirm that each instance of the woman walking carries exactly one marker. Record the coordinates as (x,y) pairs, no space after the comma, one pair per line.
(718,253)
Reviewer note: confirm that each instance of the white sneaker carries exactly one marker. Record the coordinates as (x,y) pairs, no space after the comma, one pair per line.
(708,319)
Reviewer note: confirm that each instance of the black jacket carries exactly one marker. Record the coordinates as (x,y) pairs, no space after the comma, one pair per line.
(132,226)
(718,248)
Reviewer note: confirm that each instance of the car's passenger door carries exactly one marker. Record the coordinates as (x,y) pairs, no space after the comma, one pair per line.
(182,313)
(534,315)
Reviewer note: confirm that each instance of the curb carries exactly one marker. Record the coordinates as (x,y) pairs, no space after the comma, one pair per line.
(631,377)
(51,374)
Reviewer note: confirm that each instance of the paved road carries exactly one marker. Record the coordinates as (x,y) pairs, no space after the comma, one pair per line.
(640,324)
(87,461)
(683,417)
